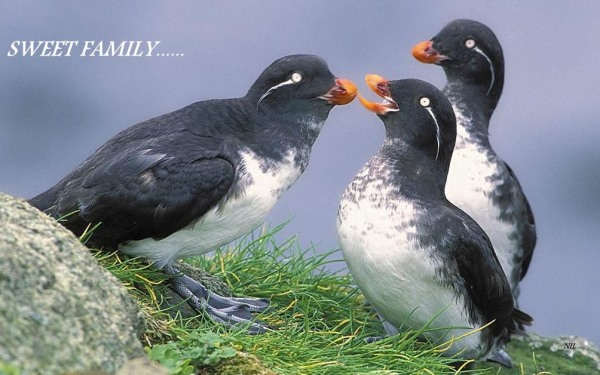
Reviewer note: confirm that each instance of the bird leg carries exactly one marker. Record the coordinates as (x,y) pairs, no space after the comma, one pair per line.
(388,327)
(228,311)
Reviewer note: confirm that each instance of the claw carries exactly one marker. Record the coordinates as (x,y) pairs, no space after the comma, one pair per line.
(217,301)
(237,315)
(253,304)
(228,311)
(500,356)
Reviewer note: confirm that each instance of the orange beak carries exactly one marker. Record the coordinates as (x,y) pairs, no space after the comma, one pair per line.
(425,53)
(343,92)
(381,87)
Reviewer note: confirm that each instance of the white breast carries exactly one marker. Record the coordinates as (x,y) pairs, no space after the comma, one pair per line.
(236,217)
(470,187)
(394,273)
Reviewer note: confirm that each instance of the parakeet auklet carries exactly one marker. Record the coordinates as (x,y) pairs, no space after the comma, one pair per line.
(414,254)
(479,181)
(189,181)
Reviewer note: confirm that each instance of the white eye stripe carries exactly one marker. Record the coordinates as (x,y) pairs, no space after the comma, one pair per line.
(493,78)
(269,91)
(424,101)
(469,43)
(437,131)
(295,78)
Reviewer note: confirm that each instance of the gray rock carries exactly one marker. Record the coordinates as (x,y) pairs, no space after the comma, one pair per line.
(142,366)
(59,310)
(572,345)
(573,354)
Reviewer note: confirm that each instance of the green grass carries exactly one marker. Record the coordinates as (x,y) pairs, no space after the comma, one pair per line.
(7,369)
(321,320)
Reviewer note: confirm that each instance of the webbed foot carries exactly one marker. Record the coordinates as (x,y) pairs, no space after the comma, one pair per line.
(229,311)
(501,357)
(372,339)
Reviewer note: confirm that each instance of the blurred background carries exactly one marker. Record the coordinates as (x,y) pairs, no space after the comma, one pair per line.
(54,112)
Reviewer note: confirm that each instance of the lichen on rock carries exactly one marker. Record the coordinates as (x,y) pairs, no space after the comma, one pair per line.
(59,310)
(142,366)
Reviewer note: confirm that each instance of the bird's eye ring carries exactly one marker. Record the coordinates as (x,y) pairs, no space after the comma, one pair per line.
(469,43)
(296,77)
(424,101)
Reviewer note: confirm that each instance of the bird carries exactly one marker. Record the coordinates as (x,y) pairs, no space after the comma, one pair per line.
(189,181)
(479,181)
(418,259)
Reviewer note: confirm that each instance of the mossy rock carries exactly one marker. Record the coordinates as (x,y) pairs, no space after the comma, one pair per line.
(533,354)
(60,311)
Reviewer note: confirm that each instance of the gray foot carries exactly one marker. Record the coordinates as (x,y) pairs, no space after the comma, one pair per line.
(372,339)
(253,304)
(390,329)
(501,357)
(228,311)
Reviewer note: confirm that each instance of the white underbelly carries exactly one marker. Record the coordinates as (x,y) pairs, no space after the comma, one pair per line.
(470,187)
(216,228)
(228,221)
(398,278)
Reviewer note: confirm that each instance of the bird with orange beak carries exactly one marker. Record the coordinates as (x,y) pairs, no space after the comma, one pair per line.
(479,181)
(418,259)
(187,182)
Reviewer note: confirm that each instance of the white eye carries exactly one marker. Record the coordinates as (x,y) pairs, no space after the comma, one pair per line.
(424,101)
(296,77)
(469,43)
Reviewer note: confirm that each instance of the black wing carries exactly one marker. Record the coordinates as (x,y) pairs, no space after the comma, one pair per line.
(486,283)
(154,177)
(146,190)
(529,233)
(472,265)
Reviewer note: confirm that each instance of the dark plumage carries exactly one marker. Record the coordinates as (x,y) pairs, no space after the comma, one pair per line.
(189,181)
(412,252)
(479,181)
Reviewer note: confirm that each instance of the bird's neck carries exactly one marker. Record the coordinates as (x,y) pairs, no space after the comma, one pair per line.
(277,135)
(295,127)
(473,109)
(418,176)
(481,91)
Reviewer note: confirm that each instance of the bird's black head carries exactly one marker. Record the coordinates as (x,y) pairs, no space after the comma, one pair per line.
(300,85)
(415,114)
(470,54)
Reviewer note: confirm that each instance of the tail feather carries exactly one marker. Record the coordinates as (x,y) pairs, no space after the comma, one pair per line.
(46,201)
(522,318)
